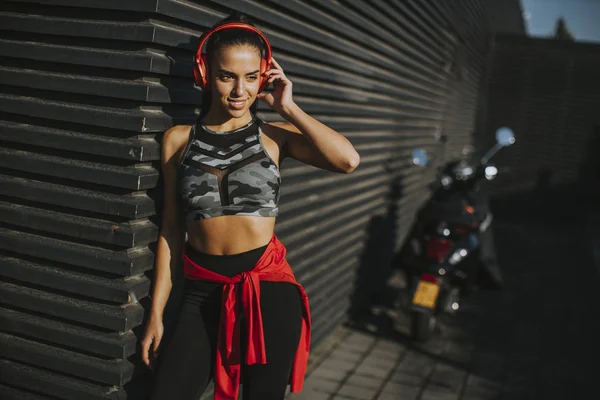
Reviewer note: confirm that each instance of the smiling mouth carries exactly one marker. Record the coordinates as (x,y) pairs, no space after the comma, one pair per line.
(236,103)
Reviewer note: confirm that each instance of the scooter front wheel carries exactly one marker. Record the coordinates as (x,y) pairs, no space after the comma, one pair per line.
(422,325)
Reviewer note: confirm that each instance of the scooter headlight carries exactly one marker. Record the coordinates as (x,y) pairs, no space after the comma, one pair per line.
(442,229)
(457,256)
(446,181)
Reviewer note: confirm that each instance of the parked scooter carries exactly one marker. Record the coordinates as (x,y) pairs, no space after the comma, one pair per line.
(450,251)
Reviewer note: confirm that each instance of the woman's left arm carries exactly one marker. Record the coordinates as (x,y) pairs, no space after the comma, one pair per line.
(305,138)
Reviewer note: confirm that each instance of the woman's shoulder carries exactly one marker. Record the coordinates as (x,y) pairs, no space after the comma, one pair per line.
(175,140)
(176,135)
(281,127)
(280,131)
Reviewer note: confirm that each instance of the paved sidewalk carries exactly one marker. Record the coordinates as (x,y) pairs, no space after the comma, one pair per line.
(537,339)
(361,366)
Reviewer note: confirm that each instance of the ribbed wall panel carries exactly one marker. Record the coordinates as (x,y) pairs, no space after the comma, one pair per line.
(85,94)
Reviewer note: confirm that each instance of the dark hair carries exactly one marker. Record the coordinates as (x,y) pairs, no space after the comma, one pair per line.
(228,38)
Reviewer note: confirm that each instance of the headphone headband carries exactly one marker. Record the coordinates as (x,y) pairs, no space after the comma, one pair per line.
(200,74)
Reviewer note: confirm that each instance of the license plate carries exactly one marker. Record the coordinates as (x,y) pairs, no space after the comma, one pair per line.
(426,294)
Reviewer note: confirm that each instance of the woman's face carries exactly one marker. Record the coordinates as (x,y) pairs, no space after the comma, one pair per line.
(235,79)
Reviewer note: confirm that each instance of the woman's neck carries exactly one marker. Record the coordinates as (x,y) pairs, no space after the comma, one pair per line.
(217,123)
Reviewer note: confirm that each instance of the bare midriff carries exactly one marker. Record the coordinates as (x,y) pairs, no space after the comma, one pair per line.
(230,234)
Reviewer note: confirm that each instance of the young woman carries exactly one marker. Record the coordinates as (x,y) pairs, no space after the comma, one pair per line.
(243,317)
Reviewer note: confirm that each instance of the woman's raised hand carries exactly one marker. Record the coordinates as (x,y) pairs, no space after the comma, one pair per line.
(280,99)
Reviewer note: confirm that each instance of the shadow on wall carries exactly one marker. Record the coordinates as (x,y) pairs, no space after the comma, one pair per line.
(184,97)
(375,267)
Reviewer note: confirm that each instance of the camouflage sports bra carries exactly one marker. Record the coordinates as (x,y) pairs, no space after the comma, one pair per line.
(228,173)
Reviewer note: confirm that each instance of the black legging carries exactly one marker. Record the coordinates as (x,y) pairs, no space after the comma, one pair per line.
(186,365)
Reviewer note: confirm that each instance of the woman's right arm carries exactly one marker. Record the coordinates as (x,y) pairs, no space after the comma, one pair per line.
(170,239)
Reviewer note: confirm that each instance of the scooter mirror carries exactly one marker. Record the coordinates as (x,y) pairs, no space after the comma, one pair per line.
(505,136)
(419,157)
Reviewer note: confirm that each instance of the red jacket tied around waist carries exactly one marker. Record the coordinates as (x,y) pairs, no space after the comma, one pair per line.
(272,266)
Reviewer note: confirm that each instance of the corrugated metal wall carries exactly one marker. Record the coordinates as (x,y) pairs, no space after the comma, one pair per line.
(505,16)
(549,92)
(86,93)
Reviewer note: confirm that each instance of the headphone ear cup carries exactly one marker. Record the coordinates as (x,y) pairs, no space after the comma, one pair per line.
(200,73)
(197,76)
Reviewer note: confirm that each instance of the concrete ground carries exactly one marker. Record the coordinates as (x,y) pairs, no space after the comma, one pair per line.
(539,338)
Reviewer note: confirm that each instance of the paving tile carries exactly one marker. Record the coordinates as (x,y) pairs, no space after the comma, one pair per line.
(409,379)
(385,354)
(384,396)
(387,346)
(355,347)
(398,389)
(360,337)
(378,362)
(326,373)
(413,368)
(365,381)
(373,371)
(357,392)
(416,364)
(348,350)
(437,395)
(337,364)
(359,344)
(347,358)
(445,387)
(391,397)
(321,385)
(309,395)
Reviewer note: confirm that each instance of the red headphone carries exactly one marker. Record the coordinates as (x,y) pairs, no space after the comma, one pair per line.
(200,67)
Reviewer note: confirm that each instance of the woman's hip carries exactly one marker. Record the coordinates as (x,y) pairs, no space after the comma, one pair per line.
(273,295)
